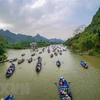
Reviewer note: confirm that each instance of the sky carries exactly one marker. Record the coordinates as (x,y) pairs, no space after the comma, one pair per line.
(49,18)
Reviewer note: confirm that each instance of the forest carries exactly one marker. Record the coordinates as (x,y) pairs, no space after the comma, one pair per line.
(89,40)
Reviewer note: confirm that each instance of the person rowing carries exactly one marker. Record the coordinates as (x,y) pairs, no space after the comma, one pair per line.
(39,59)
(9,71)
(58,63)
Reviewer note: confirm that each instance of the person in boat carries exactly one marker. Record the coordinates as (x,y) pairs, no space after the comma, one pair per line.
(39,65)
(9,71)
(58,62)
(61,83)
(39,59)
(68,98)
(11,68)
(51,55)
(85,63)
(22,59)
(30,58)
(66,90)
(69,93)
(38,68)
(13,64)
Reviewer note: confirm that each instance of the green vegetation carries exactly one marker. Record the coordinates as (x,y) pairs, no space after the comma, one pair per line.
(89,40)
(26,44)
(19,45)
(43,44)
(3,43)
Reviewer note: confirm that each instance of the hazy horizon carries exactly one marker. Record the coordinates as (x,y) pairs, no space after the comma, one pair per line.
(49,18)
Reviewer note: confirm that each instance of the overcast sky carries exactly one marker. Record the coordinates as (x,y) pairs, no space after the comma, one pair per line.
(49,18)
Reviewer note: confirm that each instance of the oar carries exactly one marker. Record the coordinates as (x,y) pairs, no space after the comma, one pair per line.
(56,83)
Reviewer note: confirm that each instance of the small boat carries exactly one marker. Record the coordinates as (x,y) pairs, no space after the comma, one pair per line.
(23,54)
(21,61)
(12,71)
(51,55)
(43,49)
(33,54)
(84,64)
(48,51)
(60,53)
(30,60)
(9,97)
(40,52)
(38,67)
(39,60)
(55,54)
(64,50)
(64,89)
(37,50)
(58,63)
(12,60)
(57,50)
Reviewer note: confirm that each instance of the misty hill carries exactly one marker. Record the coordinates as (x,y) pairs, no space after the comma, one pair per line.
(12,37)
(56,40)
(39,38)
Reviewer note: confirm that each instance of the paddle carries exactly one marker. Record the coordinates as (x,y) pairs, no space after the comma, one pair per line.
(56,83)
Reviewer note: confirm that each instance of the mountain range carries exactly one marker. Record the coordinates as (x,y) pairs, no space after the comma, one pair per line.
(12,37)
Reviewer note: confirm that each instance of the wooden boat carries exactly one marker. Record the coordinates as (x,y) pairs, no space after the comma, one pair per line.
(55,54)
(84,64)
(51,55)
(33,54)
(64,89)
(21,61)
(38,67)
(40,52)
(58,63)
(60,53)
(12,60)
(48,51)
(23,54)
(9,97)
(58,50)
(12,71)
(39,60)
(30,60)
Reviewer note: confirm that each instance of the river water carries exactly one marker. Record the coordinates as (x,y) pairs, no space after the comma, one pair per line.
(26,84)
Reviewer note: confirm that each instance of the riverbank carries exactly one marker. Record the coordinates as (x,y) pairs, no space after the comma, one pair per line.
(89,52)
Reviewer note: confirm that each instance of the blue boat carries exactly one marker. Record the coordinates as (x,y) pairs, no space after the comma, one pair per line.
(64,90)
(39,60)
(38,67)
(58,63)
(84,64)
(12,71)
(9,97)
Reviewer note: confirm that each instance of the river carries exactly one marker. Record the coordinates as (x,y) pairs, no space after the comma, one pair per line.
(26,84)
